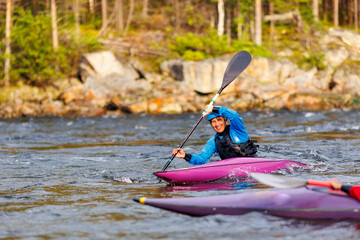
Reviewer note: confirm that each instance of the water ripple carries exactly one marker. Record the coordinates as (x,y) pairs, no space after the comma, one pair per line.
(75,178)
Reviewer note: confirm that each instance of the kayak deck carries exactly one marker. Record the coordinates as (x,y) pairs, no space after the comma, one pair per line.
(226,169)
(304,203)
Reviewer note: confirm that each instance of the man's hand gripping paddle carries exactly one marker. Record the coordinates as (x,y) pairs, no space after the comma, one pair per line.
(237,65)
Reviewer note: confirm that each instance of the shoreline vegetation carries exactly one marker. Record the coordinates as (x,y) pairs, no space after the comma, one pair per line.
(169,58)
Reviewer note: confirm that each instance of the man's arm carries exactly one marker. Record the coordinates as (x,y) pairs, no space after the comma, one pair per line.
(353,191)
(204,155)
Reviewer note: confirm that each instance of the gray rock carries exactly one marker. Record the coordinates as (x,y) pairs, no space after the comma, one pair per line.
(205,76)
(335,57)
(351,38)
(347,80)
(102,73)
(173,68)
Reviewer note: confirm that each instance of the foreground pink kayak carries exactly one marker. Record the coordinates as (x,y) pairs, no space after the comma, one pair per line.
(304,202)
(226,169)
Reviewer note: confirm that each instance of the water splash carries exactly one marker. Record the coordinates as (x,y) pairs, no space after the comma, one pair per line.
(123,179)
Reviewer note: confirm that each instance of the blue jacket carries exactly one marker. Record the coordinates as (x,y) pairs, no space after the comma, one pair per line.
(237,133)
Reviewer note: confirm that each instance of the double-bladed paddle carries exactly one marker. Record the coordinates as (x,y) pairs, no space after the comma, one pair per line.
(237,65)
(286,182)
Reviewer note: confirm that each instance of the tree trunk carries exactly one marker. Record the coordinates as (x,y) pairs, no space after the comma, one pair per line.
(131,11)
(258,25)
(252,31)
(228,24)
(55,39)
(92,7)
(212,16)
(7,43)
(221,18)
(177,14)
(66,13)
(324,10)
(104,14)
(336,13)
(356,14)
(76,13)
(34,7)
(239,17)
(145,9)
(272,22)
(315,7)
(119,15)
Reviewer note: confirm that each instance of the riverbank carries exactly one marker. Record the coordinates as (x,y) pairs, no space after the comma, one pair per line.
(77,102)
(111,84)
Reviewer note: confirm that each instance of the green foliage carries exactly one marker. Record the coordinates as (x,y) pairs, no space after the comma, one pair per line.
(284,6)
(306,11)
(245,16)
(193,18)
(33,58)
(186,42)
(355,101)
(216,45)
(32,52)
(246,8)
(192,47)
(193,55)
(291,43)
(251,47)
(2,62)
(313,59)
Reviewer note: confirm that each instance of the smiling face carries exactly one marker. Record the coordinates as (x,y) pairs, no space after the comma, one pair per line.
(218,124)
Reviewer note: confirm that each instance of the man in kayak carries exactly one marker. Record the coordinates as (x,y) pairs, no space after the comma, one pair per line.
(229,141)
(353,191)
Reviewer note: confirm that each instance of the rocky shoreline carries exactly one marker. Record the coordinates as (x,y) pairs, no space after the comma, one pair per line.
(111,85)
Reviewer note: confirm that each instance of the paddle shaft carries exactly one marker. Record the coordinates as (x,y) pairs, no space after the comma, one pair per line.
(182,144)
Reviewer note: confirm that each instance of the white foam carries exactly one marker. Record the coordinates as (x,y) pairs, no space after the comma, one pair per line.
(123,179)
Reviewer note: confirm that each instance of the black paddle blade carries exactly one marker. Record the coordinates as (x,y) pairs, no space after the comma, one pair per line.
(237,64)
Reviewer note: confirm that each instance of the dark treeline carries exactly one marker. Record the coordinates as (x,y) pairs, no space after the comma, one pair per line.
(43,39)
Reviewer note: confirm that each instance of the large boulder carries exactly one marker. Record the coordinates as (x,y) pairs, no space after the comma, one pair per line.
(350,38)
(347,79)
(105,75)
(335,57)
(265,72)
(204,76)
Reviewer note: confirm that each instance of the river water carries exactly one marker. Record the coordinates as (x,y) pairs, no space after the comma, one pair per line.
(75,178)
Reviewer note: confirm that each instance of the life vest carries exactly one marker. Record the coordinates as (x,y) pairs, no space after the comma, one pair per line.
(226,148)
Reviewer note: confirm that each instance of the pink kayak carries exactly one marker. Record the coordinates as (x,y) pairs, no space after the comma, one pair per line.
(226,169)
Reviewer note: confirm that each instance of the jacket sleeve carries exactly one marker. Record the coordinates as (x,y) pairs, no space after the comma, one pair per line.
(205,154)
(238,131)
(355,192)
